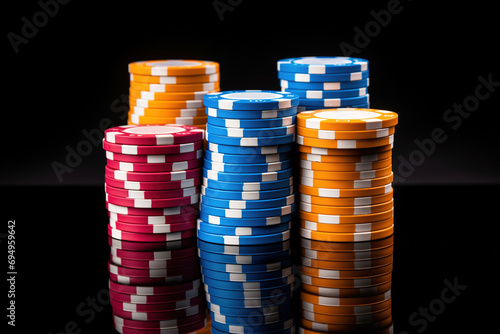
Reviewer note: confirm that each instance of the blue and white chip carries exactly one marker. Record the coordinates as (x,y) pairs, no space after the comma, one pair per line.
(251,132)
(339,77)
(250,100)
(322,65)
(251,114)
(325,85)
(252,123)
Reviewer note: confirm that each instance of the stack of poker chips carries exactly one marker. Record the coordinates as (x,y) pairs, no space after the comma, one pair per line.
(171,91)
(246,210)
(152,180)
(325,82)
(346,219)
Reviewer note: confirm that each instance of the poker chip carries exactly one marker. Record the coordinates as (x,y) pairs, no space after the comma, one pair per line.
(346,217)
(333,77)
(325,86)
(250,100)
(156,106)
(242,168)
(251,141)
(173,67)
(251,132)
(322,65)
(152,182)
(137,119)
(252,123)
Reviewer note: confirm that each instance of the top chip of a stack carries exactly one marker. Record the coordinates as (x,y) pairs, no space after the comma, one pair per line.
(326,81)
(246,207)
(171,91)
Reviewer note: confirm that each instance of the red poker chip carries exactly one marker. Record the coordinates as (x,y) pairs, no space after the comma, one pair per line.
(153,177)
(155,229)
(152,281)
(184,329)
(151,325)
(149,212)
(154,220)
(148,149)
(155,290)
(138,299)
(135,246)
(145,167)
(155,158)
(158,307)
(152,264)
(151,194)
(163,315)
(153,273)
(155,255)
(149,237)
(167,134)
(153,203)
(138,185)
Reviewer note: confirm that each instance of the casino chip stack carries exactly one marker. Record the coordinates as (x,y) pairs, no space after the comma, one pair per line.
(322,82)
(346,219)
(152,175)
(246,210)
(171,91)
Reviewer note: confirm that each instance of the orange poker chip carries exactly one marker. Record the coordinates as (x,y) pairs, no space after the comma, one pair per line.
(346,210)
(362,175)
(137,119)
(345,151)
(347,228)
(343,193)
(173,96)
(333,134)
(179,112)
(345,283)
(175,80)
(353,237)
(346,201)
(358,305)
(173,67)
(349,184)
(347,119)
(346,158)
(159,88)
(346,319)
(346,219)
(342,274)
(192,104)
(345,167)
(347,292)
(346,327)
(386,330)
(347,255)
(327,246)
(345,143)
(347,265)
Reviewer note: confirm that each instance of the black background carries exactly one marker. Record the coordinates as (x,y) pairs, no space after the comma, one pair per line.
(72,73)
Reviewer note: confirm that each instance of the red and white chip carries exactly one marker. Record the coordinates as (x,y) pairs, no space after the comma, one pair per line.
(162,167)
(155,158)
(154,229)
(151,194)
(137,185)
(168,134)
(149,237)
(154,290)
(153,177)
(154,255)
(155,220)
(152,264)
(135,246)
(152,149)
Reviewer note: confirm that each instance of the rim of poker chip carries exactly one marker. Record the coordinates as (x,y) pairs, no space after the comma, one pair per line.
(151,246)
(347,292)
(251,141)
(347,265)
(250,100)
(335,134)
(155,158)
(154,290)
(157,307)
(197,327)
(345,143)
(250,177)
(246,195)
(246,277)
(343,152)
(245,222)
(360,255)
(247,186)
(346,201)
(165,315)
(251,114)
(153,203)
(154,255)
(241,327)
(173,67)
(152,264)
(244,239)
(346,210)
(252,123)
(350,237)
(151,194)
(256,285)
(344,159)
(149,237)
(175,80)
(345,283)
(242,230)
(340,184)
(139,185)
(348,119)
(345,219)
(153,149)
(161,88)
(172,211)
(388,330)
(246,168)
(334,77)
(345,319)
(245,259)
(362,246)
(159,324)
(153,229)
(157,106)
(152,176)
(245,268)
(252,132)
(335,327)
(243,249)
(336,102)
(154,220)
(248,213)
(326,86)
(247,204)
(340,193)
(222,291)
(346,274)
(246,159)
(157,167)
(138,299)
(326,94)
(150,273)
(135,119)
(171,96)
(345,167)
(322,64)
(246,150)
(169,113)
(336,175)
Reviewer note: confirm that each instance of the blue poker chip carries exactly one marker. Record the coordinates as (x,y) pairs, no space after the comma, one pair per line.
(252,123)
(241,230)
(247,204)
(246,277)
(322,65)
(243,240)
(243,250)
(251,114)
(327,94)
(254,320)
(256,285)
(249,303)
(335,102)
(246,195)
(247,213)
(247,186)
(248,294)
(245,259)
(247,168)
(359,106)
(250,177)
(244,328)
(291,330)
(243,222)
(250,100)
(245,268)
(339,77)
(327,86)
(246,158)
(258,311)
(251,132)
(250,141)
(246,150)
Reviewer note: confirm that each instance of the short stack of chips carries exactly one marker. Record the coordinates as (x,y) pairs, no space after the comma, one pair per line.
(171,91)
(346,219)
(246,211)
(152,180)
(326,82)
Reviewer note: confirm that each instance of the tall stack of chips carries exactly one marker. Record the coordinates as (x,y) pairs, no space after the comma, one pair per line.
(325,82)
(152,176)
(171,91)
(346,219)
(246,210)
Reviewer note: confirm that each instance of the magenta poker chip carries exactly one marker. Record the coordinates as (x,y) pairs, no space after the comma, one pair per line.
(164,185)
(168,134)
(154,255)
(153,177)
(155,290)
(153,264)
(161,167)
(160,298)
(151,194)
(155,158)
(149,237)
(155,246)
(155,220)
(148,149)
(154,229)
(153,273)
(153,203)
(157,307)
